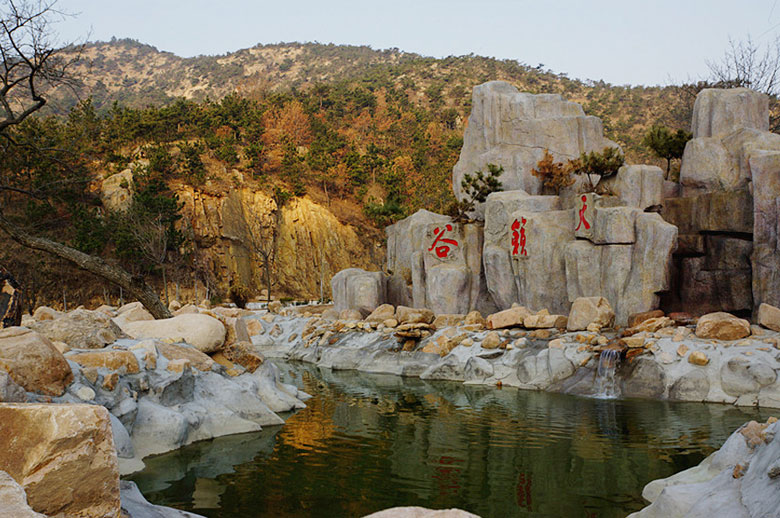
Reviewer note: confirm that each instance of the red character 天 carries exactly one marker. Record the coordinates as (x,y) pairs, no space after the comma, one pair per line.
(518,238)
(444,248)
(583,221)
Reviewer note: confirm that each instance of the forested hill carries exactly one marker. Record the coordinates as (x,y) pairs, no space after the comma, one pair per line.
(138,75)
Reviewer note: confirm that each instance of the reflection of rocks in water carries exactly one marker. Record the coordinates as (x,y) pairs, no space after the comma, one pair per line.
(205,459)
(207,493)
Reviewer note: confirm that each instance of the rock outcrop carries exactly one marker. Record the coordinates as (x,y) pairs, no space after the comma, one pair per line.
(358,289)
(741,479)
(68,466)
(512,129)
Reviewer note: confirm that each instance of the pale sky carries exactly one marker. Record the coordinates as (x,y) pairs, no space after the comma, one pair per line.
(647,42)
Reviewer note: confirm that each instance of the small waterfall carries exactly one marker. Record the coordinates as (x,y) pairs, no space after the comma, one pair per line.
(606,384)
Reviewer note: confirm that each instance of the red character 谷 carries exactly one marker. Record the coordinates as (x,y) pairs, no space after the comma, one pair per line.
(583,221)
(444,248)
(518,238)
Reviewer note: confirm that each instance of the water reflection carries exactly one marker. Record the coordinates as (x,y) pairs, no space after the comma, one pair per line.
(367,442)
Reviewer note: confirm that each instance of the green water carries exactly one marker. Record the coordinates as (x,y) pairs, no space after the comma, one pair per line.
(368,442)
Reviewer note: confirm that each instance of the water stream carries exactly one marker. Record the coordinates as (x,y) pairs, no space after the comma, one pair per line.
(606,382)
(368,442)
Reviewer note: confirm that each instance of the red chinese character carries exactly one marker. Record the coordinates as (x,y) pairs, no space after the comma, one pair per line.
(443,249)
(583,221)
(524,490)
(518,238)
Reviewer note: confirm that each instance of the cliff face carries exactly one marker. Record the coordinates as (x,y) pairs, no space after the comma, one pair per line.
(233,229)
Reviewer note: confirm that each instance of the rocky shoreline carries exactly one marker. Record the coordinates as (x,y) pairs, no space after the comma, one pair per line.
(659,358)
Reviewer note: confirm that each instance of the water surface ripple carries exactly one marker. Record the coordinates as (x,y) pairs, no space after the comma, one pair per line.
(368,442)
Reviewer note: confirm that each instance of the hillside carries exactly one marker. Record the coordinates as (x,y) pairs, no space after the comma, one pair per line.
(361,137)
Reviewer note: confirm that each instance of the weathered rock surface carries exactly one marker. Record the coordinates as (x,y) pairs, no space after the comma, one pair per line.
(765,171)
(590,310)
(136,506)
(33,362)
(69,465)
(13,499)
(512,317)
(638,186)
(739,480)
(116,191)
(769,316)
(718,112)
(80,329)
(10,391)
(358,289)
(206,333)
(513,129)
(722,326)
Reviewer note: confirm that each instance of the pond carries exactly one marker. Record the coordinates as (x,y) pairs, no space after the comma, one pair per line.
(368,442)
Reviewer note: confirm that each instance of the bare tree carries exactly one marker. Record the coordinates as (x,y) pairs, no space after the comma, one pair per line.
(31,62)
(751,65)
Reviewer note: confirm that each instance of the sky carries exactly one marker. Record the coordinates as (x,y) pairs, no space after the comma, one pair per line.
(638,42)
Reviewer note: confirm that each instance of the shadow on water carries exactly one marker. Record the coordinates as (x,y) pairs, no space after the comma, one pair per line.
(367,442)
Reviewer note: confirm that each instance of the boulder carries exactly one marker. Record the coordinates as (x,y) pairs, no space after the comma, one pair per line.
(590,310)
(10,300)
(698,358)
(722,326)
(191,355)
(69,466)
(381,313)
(133,312)
(769,316)
(116,191)
(349,315)
(115,360)
(355,288)
(512,129)
(447,320)
(13,499)
(136,506)
(638,186)
(187,308)
(720,111)
(243,353)
(406,315)
(742,375)
(491,340)
(46,313)
(80,329)
(33,362)
(205,333)
(512,317)
(474,318)
(544,320)
(637,318)
(10,392)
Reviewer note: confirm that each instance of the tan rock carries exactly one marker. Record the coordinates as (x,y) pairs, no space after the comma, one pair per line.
(441,346)
(274,306)
(468,342)
(13,499)
(381,313)
(447,320)
(80,329)
(391,323)
(682,350)
(133,312)
(555,344)
(243,353)
(491,340)
(722,326)
(254,327)
(178,365)
(350,315)
(33,362)
(545,321)
(540,334)
(91,374)
(268,317)
(698,358)
(407,315)
(205,333)
(69,465)
(512,317)
(110,381)
(474,318)
(186,309)
(177,352)
(637,318)
(587,311)
(221,359)
(46,313)
(769,316)
(114,359)
(651,325)
(633,342)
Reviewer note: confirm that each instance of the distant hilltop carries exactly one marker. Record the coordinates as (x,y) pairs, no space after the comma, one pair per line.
(137,75)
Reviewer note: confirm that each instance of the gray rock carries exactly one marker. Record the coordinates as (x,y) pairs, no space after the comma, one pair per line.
(358,289)
(644,378)
(448,368)
(406,237)
(512,129)
(765,168)
(122,441)
(157,429)
(741,375)
(692,386)
(477,369)
(13,499)
(10,392)
(718,112)
(136,506)
(638,186)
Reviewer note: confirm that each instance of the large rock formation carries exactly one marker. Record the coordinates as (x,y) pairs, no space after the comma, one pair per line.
(205,333)
(358,289)
(33,362)
(63,456)
(512,129)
